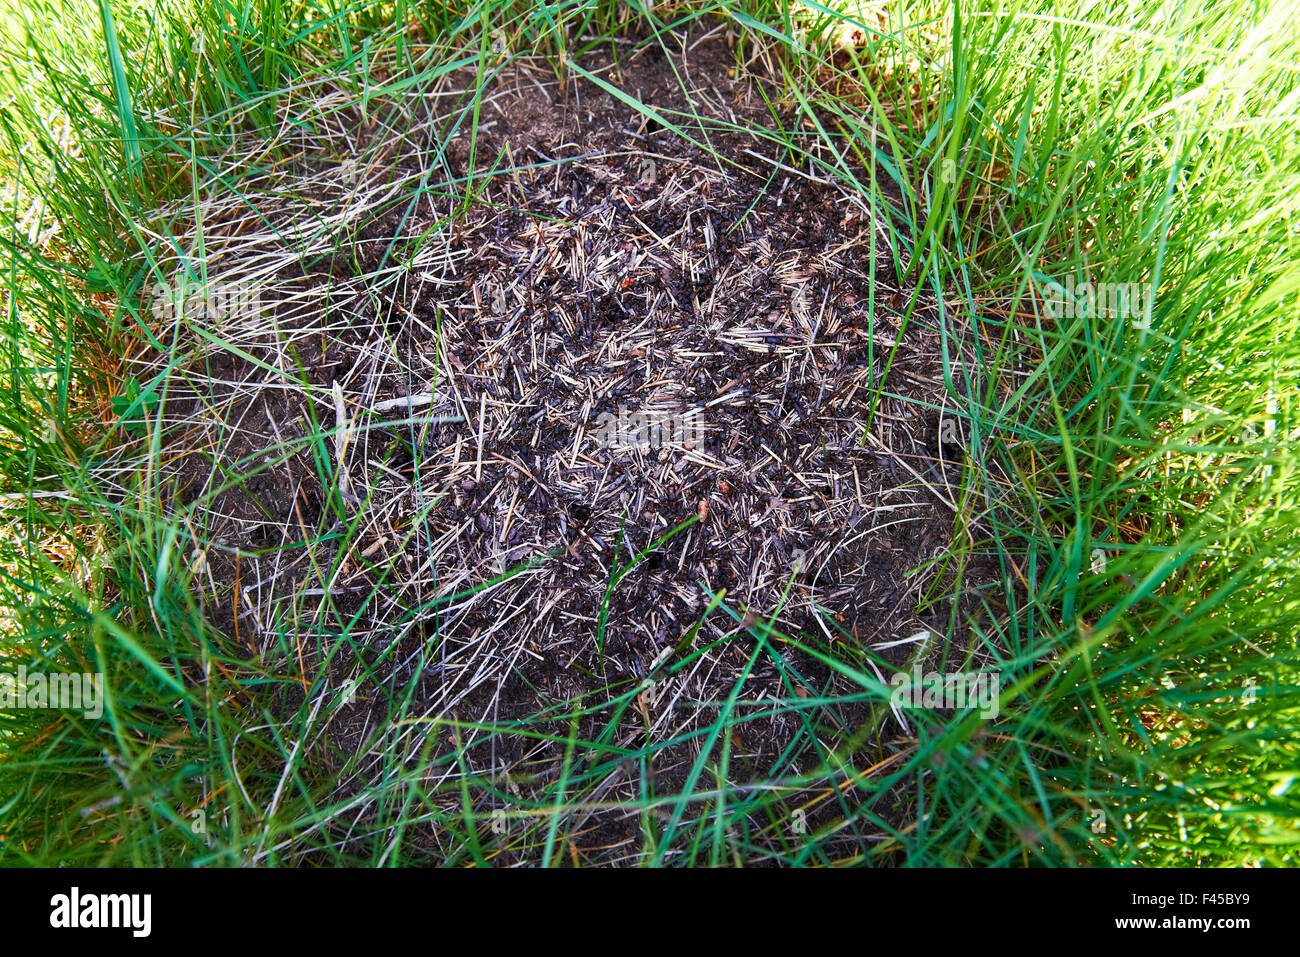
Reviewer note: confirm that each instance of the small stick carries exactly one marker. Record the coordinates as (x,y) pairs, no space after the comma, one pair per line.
(482,409)
(403,402)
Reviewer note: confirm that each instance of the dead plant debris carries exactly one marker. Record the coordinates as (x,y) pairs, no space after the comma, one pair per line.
(629,357)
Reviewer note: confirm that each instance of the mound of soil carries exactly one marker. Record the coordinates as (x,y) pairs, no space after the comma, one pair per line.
(515,406)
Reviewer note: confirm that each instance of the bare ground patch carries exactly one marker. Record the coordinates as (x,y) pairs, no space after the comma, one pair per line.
(406,493)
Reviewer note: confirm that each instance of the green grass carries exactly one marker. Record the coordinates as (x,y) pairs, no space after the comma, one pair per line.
(1131,142)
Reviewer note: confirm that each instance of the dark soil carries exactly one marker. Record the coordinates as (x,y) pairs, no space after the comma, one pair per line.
(607,264)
